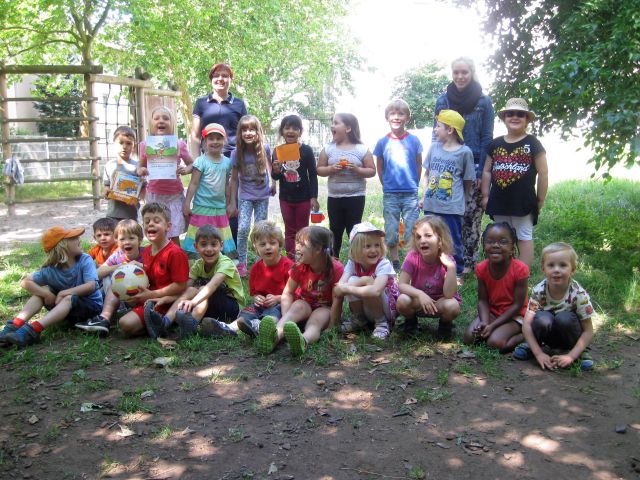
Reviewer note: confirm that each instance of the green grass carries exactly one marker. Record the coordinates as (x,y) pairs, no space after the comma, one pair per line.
(599,219)
(50,191)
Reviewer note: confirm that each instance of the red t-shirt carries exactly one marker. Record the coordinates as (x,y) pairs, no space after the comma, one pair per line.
(169,265)
(312,287)
(95,252)
(264,280)
(500,291)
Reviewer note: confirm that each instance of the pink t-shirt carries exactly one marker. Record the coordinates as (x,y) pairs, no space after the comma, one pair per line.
(312,287)
(500,291)
(166,187)
(428,277)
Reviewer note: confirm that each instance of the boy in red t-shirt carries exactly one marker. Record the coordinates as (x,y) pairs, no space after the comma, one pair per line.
(267,278)
(167,267)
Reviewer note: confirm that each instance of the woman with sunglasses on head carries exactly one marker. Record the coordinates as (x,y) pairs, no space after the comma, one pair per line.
(514,179)
(464,95)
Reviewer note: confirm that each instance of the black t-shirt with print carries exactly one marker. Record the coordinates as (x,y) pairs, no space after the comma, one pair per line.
(513,177)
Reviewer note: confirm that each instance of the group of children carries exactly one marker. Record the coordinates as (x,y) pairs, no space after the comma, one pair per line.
(297,301)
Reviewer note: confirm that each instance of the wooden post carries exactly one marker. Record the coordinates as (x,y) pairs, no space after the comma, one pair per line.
(93,143)
(141,113)
(6,146)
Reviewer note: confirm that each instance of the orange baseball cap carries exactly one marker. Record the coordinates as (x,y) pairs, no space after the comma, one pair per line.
(52,237)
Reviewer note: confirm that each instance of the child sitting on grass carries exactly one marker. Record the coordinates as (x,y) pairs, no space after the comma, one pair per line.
(369,283)
(166,266)
(103,230)
(214,292)
(559,314)
(267,278)
(308,296)
(129,236)
(66,285)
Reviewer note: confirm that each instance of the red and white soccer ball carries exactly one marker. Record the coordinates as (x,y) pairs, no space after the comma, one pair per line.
(128,280)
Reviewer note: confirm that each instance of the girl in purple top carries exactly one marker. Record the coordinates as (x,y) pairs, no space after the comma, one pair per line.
(427,283)
(250,177)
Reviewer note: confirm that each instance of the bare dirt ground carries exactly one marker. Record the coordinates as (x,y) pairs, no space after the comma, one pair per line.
(370,413)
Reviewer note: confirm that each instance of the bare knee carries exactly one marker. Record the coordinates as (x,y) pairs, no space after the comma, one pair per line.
(403,305)
(130,324)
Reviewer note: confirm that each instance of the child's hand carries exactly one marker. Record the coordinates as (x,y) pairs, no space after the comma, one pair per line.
(545,362)
(420,203)
(183,170)
(186,209)
(271,301)
(486,331)
(277,167)
(163,300)
(61,295)
(427,303)
(258,300)
(273,190)
(315,205)
(338,290)
(186,305)
(106,192)
(141,298)
(447,261)
(49,299)
(142,171)
(232,211)
(562,361)
(136,263)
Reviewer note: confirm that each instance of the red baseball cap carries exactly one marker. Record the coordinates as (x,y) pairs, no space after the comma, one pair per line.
(214,128)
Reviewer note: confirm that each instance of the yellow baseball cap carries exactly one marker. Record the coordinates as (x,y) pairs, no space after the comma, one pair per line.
(453,119)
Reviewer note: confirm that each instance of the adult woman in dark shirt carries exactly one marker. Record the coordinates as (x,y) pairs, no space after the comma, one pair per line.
(464,95)
(221,107)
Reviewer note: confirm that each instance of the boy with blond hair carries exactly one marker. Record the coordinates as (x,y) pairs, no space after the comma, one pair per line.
(399,164)
(559,314)
(267,279)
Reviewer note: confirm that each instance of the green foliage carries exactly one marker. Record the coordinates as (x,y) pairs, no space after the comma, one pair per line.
(285,53)
(420,88)
(577,63)
(58,86)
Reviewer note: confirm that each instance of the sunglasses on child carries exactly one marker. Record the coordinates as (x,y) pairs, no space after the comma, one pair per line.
(515,113)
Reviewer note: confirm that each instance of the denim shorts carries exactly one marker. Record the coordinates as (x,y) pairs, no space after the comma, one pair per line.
(394,205)
(522,225)
(252,311)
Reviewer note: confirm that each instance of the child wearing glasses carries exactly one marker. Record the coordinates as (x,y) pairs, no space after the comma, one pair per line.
(514,179)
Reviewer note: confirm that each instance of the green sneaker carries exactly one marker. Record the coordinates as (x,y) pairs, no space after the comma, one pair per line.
(294,338)
(267,335)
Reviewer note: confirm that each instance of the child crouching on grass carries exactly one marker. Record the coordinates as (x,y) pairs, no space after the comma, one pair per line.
(66,285)
(214,290)
(129,235)
(427,281)
(267,278)
(369,283)
(559,314)
(308,295)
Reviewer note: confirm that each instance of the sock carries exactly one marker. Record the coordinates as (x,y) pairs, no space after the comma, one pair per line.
(167,321)
(17,322)
(37,326)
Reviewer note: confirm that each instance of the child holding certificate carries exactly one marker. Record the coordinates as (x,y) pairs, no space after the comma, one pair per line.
(164,185)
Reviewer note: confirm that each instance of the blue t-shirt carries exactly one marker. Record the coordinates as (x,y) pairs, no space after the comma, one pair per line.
(447,172)
(399,160)
(211,190)
(58,279)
